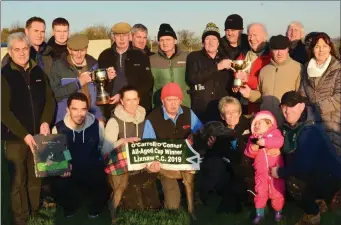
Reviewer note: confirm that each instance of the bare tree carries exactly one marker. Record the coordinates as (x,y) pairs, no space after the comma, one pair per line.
(188,39)
(5,32)
(97,32)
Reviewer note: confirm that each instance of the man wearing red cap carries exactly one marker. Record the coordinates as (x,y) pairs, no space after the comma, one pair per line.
(170,121)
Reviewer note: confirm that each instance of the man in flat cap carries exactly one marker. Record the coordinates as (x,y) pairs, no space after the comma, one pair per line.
(234,42)
(282,74)
(71,74)
(168,65)
(131,65)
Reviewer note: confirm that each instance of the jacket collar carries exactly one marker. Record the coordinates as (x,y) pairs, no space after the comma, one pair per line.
(15,66)
(285,62)
(123,115)
(163,54)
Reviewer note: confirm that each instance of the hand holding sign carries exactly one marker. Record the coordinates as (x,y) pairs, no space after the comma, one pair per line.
(154,167)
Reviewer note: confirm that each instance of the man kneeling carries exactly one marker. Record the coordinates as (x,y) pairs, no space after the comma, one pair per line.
(84,138)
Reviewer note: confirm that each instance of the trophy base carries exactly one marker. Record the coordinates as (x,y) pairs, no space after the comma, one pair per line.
(103,100)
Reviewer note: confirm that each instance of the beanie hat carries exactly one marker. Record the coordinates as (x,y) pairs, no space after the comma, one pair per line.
(166,30)
(234,22)
(279,42)
(211,29)
(171,89)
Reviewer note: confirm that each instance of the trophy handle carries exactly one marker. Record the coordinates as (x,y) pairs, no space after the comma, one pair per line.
(248,63)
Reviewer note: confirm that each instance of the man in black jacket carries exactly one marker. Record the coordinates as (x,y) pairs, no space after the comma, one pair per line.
(27,108)
(131,65)
(312,167)
(208,76)
(234,42)
(60,29)
(140,37)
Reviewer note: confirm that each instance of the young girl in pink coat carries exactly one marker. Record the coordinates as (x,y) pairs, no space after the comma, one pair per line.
(264,146)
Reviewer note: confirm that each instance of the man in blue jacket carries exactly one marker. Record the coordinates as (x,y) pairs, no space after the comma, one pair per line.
(312,168)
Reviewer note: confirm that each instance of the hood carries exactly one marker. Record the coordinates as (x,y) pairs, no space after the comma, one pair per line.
(139,117)
(264,114)
(89,120)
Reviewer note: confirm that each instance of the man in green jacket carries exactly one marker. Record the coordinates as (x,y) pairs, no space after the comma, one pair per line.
(168,65)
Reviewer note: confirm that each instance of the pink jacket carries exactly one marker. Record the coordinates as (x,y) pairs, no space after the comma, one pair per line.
(266,186)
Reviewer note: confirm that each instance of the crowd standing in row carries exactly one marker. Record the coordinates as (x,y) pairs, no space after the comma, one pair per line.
(285,118)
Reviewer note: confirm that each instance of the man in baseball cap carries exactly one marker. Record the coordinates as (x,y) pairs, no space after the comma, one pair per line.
(312,169)
(234,42)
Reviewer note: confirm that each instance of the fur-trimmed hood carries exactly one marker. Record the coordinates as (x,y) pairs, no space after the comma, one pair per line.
(264,114)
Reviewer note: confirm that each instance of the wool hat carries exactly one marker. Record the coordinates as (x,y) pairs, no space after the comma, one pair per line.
(166,30)
(121,28)
(211,29)
(279,42)
(234,22)
(171,89)
(78,42)
(292,98)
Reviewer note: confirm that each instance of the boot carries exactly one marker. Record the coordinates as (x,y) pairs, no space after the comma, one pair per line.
(322,205)
(309,219)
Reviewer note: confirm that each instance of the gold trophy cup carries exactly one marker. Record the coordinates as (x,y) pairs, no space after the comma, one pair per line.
(100,78)
(238,66)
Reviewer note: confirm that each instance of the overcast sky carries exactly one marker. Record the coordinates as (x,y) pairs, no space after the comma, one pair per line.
(192,15)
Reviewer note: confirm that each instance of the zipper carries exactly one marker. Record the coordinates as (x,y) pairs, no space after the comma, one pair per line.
(34,118)
(267,166)
(120,62)
(171,70)
(31,100)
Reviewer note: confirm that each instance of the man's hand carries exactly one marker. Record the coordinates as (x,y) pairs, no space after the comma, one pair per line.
(131,140)
(254,147)
(111,73)
(274,172)
(273,152)
(29,140)
(67,174)
(114,99)
(245,91)
(154,167)
(224,64)
(261,142)
(243,76)
(211,141)
(84,78)
(45,129)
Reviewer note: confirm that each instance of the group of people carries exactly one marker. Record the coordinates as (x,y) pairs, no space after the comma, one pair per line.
(285,117)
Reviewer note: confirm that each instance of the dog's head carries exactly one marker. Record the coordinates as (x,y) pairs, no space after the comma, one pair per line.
(214,128)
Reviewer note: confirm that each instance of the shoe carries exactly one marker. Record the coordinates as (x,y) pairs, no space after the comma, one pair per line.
(69,213)
(322,206)
(309,219)
(278,216)
(93,215)
(258,219)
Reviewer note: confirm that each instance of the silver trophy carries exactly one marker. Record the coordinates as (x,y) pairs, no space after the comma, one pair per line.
(238,66)
(100,78)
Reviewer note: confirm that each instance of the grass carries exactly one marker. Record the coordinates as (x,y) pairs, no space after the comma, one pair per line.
(206,216)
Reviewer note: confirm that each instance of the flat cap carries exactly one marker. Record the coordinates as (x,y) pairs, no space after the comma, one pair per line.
(78,42)
(121,28)
(279,42)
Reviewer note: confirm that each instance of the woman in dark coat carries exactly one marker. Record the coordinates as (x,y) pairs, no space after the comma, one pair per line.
(225,168)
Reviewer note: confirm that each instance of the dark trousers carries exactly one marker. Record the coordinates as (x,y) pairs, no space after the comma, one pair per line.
(25,187)
(320,186)
(69,192)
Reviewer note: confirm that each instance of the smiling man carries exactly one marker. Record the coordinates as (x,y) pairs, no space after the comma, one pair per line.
(27,108)
(60,29)
(140,37)
(282,74)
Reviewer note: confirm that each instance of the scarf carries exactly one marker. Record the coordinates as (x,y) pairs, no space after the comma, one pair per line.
(314,70)
(85,88)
